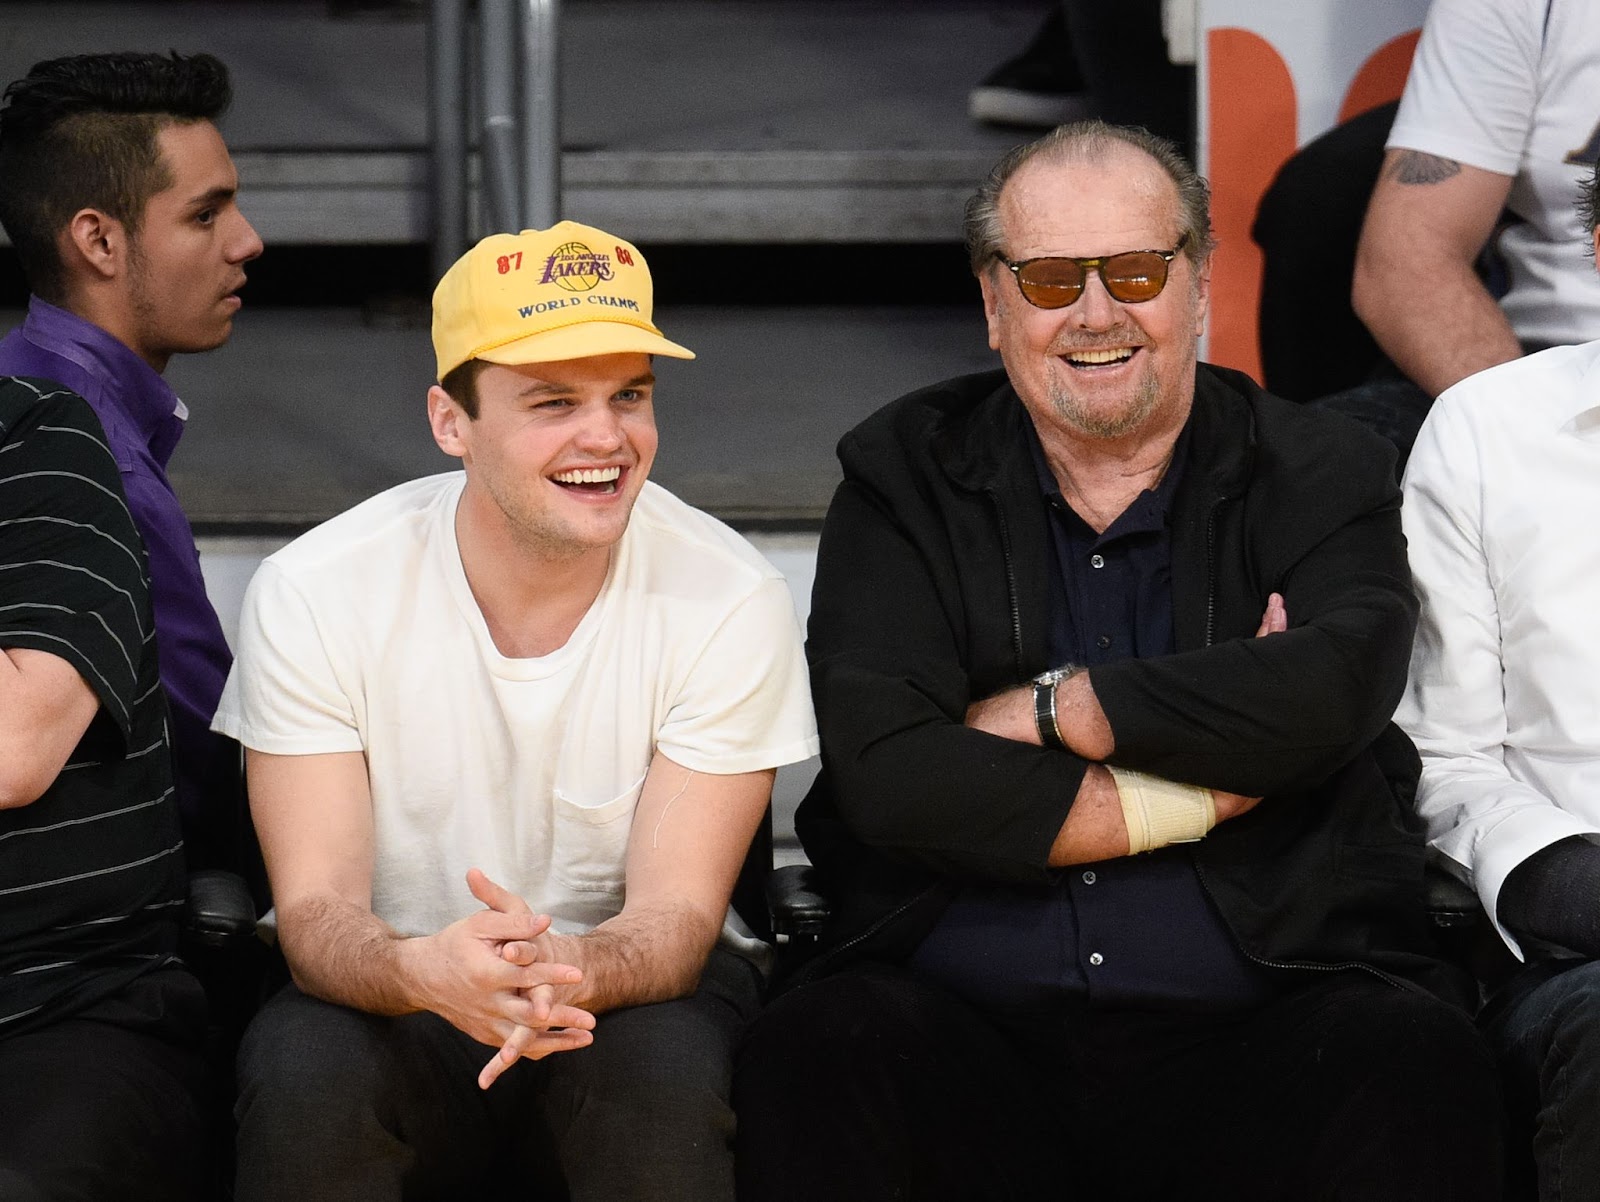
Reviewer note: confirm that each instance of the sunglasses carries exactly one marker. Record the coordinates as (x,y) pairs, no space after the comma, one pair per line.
(1130,277)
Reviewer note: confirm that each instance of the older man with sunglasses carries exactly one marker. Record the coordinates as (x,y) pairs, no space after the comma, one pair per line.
(1104,648)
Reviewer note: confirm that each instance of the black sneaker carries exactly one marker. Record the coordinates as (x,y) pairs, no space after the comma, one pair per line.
(1040,88)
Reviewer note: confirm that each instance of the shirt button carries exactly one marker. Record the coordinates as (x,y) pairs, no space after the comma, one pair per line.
(1096,959)
(1097,561)
(1103,641)
(1089,878)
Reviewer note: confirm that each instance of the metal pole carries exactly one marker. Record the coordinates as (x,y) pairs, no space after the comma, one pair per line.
(447,121)
(498,146)
(541,113)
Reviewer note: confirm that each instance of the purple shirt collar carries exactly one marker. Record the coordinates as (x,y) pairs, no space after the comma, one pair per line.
(125,380)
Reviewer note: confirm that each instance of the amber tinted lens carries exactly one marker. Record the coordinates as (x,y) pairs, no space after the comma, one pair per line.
(1138,275)
(1051,283)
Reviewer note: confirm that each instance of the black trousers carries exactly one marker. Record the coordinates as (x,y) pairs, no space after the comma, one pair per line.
(875,1085)
(342,1106)
(95,1112)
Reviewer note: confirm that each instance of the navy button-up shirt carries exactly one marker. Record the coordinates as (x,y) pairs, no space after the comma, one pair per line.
(143,420)
(1137,931)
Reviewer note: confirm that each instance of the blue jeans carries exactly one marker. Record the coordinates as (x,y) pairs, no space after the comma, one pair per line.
(1545,1028)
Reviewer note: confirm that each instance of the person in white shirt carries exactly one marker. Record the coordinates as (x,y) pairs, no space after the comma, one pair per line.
(509,733)
(1498,115)
(1504,705)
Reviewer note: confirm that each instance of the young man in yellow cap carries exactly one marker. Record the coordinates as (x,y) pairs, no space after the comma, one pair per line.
(510,731)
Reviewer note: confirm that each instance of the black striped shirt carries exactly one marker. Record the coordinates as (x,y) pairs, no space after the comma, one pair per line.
(91,874)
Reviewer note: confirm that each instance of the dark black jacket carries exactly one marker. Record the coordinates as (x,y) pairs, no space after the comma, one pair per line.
(931,592)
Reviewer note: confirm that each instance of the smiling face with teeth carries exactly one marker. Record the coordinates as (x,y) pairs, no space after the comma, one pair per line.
(1098,369)
(557,453)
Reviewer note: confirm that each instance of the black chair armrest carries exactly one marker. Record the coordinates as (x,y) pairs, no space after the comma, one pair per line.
(1463,930)
(1451,903)
(219,912)
(799,910)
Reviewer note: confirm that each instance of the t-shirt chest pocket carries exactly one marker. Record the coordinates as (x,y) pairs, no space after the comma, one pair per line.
(607,741)
(591,837)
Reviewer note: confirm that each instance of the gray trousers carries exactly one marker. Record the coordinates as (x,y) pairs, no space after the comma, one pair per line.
(341,1105)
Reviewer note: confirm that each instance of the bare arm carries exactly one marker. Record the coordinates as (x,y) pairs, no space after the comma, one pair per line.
(1415,285)
(690,834)
(1095,828)
(313,814)
(45,707)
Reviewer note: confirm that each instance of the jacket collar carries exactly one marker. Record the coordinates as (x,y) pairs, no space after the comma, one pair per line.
(984,449)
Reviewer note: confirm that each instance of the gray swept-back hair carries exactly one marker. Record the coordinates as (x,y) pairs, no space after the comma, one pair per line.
(1087,141)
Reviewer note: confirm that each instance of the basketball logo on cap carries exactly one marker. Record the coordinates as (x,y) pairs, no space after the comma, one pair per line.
(575,267)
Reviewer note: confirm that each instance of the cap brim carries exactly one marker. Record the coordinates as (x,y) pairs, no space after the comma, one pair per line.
(584,341)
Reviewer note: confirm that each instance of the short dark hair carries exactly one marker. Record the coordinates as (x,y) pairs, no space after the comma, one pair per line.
(1088,140)
(80,132)
(1589,201)
(461,382)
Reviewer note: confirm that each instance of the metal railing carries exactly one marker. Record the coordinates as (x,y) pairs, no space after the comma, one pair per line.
(516,100)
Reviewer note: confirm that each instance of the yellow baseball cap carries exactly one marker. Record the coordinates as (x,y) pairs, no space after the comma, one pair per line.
(567,292)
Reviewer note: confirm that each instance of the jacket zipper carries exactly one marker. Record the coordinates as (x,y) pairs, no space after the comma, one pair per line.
(1211,570)
(1011,575)
(1305,965)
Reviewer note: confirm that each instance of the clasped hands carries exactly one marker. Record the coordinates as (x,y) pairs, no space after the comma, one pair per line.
(493,975)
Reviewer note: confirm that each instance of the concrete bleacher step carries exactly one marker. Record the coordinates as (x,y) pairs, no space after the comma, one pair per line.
(689,120)
(735,121)
(306,412)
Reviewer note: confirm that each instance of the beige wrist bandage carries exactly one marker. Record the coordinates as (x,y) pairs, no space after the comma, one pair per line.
(1159,812)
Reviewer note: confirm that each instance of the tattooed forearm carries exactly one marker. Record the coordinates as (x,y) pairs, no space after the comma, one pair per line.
(1414,167)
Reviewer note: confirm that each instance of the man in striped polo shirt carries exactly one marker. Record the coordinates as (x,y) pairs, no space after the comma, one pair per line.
(118,192)
(100,1024)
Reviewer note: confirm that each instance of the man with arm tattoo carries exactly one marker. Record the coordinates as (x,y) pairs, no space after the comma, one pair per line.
(1500,116)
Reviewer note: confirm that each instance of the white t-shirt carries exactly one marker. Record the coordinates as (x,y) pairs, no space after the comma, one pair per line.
(1504,697)
(1513,87)
(363,635)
